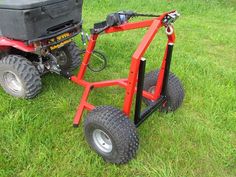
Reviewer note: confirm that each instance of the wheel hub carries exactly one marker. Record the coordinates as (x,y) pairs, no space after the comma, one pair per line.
(102,141)
(12,81)
(61,57)
(152,91)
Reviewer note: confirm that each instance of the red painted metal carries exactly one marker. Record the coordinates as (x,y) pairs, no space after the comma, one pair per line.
(90,48)
(134,68)
(129,84)
(159,84)
(5,42)
(129,26)
(83,105)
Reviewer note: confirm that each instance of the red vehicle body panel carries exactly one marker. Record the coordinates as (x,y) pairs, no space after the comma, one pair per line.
(6,43)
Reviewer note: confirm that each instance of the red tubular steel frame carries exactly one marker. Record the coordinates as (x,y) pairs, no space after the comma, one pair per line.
(129,84)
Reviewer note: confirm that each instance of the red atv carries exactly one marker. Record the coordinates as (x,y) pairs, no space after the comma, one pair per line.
(35,38)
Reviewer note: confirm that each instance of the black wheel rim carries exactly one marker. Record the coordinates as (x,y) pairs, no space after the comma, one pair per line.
(61,57)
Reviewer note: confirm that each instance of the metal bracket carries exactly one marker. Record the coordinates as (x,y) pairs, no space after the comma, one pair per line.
(139,116)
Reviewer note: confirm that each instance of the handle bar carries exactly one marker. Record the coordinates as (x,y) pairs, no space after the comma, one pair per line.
(119,18)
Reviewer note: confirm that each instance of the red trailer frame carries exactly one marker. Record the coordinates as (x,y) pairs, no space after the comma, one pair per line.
(129,84)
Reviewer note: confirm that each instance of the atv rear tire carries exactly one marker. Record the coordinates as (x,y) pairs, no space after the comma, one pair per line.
(2,54)
(111,134)
(175,91)
(19,77)
(68,57)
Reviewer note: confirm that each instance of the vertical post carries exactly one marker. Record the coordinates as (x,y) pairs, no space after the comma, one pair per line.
(139,95)
(88,53)
(133,74)
(167,68)
(81,107)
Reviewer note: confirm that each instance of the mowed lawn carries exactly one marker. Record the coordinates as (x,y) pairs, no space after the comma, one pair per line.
(199,139)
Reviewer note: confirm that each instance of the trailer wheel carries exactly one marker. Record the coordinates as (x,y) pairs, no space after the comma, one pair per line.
(175,91)
(68,57)
(18,77)
(111,134)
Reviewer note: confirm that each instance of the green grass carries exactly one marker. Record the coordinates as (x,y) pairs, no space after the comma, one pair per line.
(37,138)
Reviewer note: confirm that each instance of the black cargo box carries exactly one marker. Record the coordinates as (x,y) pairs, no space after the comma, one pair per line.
(31,19)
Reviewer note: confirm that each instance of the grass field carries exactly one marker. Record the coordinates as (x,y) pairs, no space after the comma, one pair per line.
(199,139)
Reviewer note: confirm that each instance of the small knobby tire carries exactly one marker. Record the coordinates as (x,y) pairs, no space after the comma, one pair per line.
(122,139)
(174,95)
(19,77)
